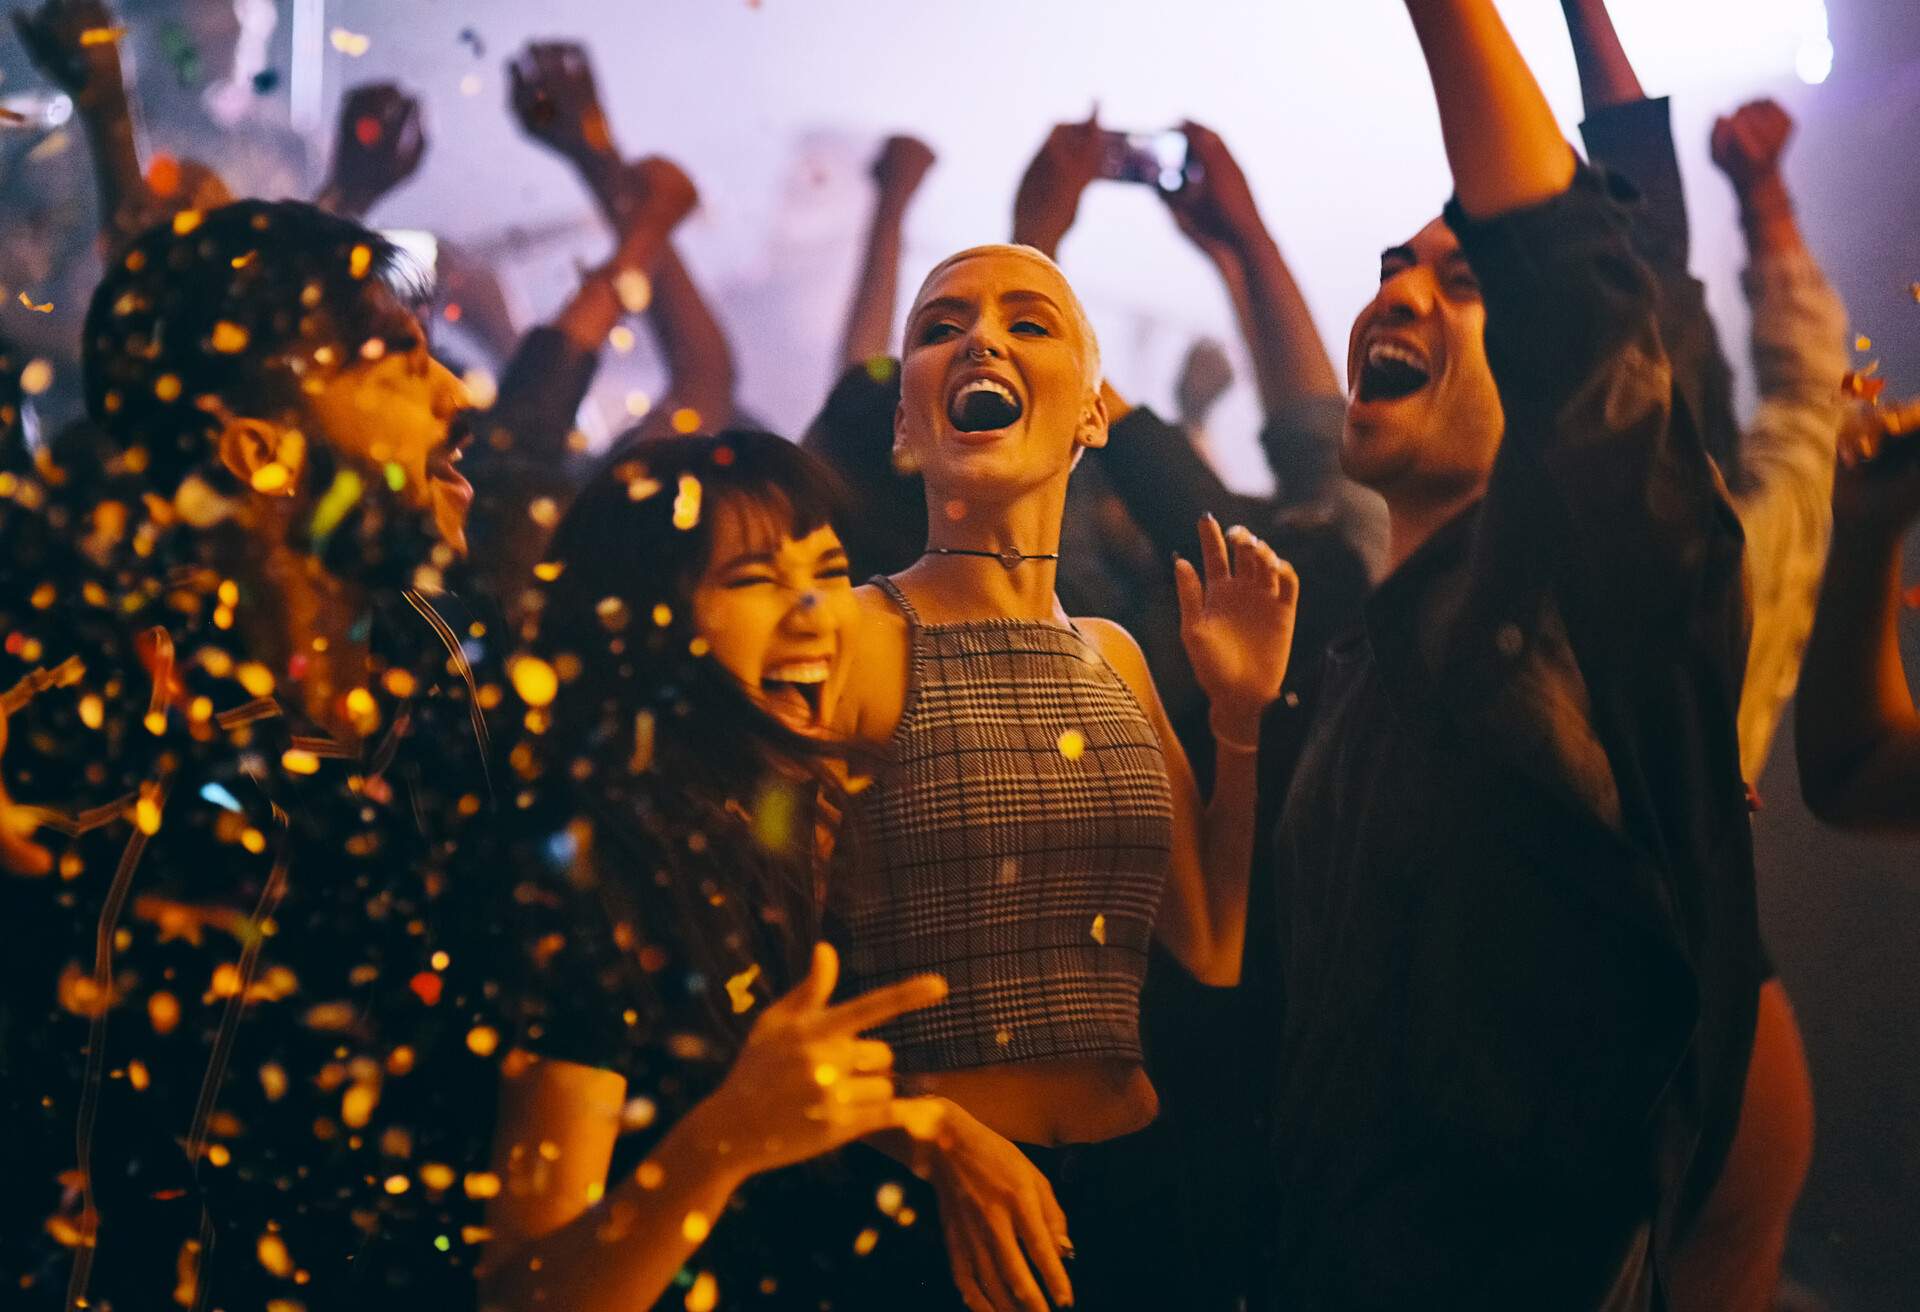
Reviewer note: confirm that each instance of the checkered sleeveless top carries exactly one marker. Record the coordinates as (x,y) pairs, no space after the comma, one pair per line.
(1017,841)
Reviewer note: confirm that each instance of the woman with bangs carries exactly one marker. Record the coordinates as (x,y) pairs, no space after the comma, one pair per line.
(677,1047)
(1034,827)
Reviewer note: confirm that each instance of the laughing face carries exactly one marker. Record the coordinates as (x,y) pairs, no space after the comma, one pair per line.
(1000,380)
(404,412)
(1423,414)
(775,610)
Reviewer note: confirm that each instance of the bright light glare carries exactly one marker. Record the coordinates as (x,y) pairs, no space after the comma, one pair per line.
(1814,60)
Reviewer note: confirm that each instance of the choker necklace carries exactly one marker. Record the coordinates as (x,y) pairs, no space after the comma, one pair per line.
(1009,559)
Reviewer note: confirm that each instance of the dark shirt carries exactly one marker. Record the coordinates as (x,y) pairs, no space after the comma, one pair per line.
(1517,940)
(277,1078)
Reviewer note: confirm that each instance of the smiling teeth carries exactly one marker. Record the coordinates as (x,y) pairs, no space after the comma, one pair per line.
(985,385)
(798,672)
(1383,352)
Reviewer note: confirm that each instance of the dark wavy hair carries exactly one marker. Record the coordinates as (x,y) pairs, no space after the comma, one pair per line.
(227,309)
(660,746)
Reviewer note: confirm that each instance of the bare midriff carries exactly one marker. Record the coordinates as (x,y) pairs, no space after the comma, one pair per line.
(1052,1102)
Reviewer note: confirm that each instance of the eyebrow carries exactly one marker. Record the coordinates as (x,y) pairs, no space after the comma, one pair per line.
(1030,296)
(944,305)
(1402,253)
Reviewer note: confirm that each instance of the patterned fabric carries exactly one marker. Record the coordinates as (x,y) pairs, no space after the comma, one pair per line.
(1017,841)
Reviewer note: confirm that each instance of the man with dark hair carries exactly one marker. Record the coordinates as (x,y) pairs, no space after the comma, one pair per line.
(1517,940)
(246,1014)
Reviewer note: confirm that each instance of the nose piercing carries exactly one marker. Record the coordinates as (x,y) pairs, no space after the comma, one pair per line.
(808,600)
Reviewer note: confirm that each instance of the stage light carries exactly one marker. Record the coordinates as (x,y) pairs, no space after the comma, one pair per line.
(1814,60)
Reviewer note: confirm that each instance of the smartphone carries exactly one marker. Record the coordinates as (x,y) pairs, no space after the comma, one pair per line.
(1154,159)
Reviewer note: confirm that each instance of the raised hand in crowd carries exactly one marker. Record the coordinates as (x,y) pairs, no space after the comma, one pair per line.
(75,43)
(1216,210)
(898,170)
(804,1083)
(1237,625)
(1048,200)
(1748,146)
(379,145)
(1855,727)
(557,102)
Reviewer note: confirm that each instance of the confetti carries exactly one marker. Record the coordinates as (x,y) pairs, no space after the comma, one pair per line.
(634,289)
(866,1241)
(533,679)
(186,221)
(638,1114)
(1862,385)
(101,36)
(888,1198)
(427,986)
(696,1226)
(1072,743)
(37,377)
(273,1255)
(483,389)
(482,1184)
(686,421)
(686,504)
(482,1040)
(638,404)
(740,989)
(622,340)
(45,307)
(359,260)
(163,1012)
(705,1294)
(1863,343)
(398,1184)
(1100,930)
(351,44)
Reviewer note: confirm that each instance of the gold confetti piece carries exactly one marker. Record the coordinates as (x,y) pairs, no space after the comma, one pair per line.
(44,307)
(1003,1036)
(543,511)
(696,1227)
(36,378)
(483,389)
(397,1184)
(297,760)
(686,503)
(533,679)
(146,816)
(229,338)
(101,36)
(622,340)
(1100,930)
(638,406)
(440,961)
(186,221)
(866,1241)
(273,1255)
(705,1294)
(351,44)
(634,290)
(740,989)
(1863,343)
(482,1040)
(906,1216)
(218,1155)
(253,840)
(256,678)
(398,683)
(359,260)
(888,1198)
(437,1176)
(357,1104)
(330,1017)
(1072,743)
(482,1184)
(93,711)
(638,1114)
(137,1074)
(155,722)
(80,994)
(650,1175)
(163,1012)
(686,420)
(273,1081)
(1913,290)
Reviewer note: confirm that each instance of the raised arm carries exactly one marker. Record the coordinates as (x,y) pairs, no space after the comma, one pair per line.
(1785,492)
(1606,74)
(557,101)
(1855,727)
(897,172)
(76,44)
(1216,209)
(1048,200)
(379,143)
(1503,145)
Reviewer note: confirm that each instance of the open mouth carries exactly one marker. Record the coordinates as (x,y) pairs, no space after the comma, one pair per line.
(443,464)
(1392,371)
(792,690)
(982,405)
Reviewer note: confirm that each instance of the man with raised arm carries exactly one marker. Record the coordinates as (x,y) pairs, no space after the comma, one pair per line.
(1515,887)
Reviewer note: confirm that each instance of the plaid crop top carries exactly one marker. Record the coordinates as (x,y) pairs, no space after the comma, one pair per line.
(1017,841)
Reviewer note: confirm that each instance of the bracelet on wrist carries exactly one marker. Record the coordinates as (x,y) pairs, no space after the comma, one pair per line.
(1227,742)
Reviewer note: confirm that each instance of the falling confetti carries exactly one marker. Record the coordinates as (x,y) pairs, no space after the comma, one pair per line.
(696,1227)
(1072,743)
(1100,930)
(705,1294)
(740,989)
(351,44)
(534,680)
(634,289)
(686,421)
(45,307)
(686,503)
(866,1241)
(101,36)
(1863,343)
(37,377)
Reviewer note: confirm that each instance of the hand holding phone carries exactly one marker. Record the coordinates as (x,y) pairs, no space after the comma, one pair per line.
(1154,159)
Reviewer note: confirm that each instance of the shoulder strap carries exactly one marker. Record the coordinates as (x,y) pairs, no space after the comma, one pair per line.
(898,598)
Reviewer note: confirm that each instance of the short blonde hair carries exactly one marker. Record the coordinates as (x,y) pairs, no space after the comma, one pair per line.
(1073,306)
